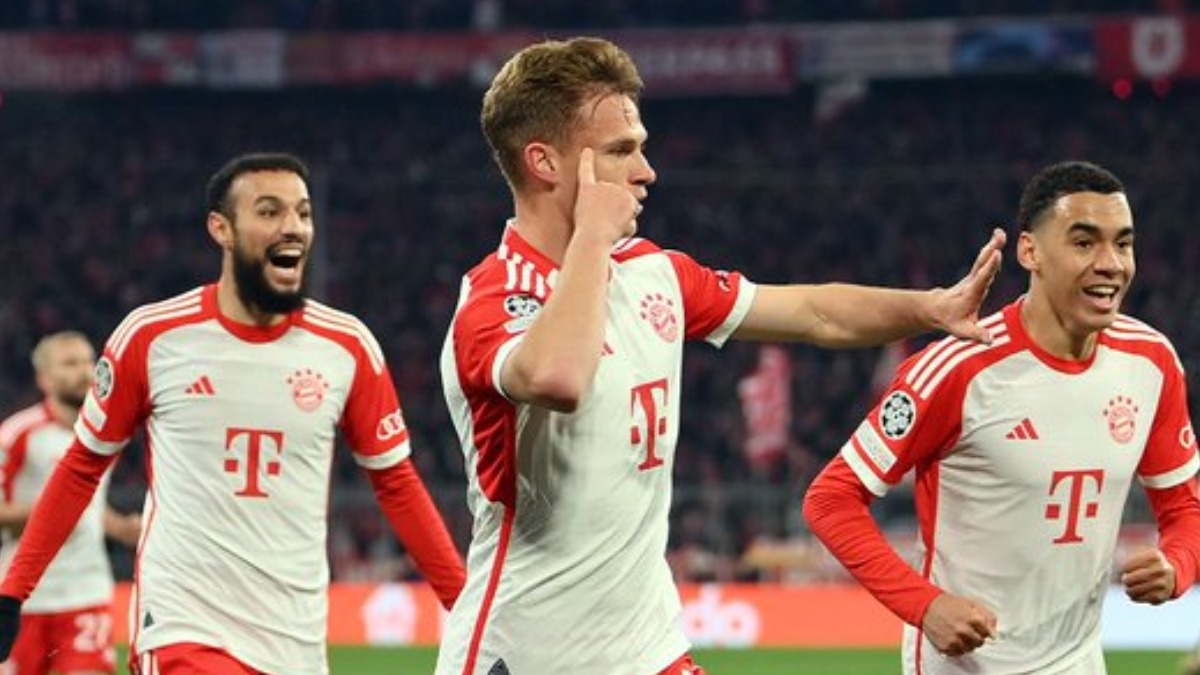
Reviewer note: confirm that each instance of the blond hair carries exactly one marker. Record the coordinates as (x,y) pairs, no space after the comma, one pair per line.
(40,356)
(536,96)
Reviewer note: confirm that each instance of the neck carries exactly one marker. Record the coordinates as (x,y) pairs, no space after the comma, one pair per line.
(544,224)
(1053,333)
(62,413)
(230,304)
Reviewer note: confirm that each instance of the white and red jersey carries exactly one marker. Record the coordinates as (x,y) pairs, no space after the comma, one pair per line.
(566,571)
(31,444)
(239,424)
(1023,465)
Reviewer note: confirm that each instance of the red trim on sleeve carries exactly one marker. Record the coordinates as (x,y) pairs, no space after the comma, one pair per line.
(62,502)
(417,522)
(1177,510)
(14,462)
(836,508)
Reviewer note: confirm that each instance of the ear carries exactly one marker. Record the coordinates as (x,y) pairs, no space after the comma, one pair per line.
(43,383)
(1027,252)
(220,229)
(543,163)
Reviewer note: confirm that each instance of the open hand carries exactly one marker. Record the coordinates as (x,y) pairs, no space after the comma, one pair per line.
(956,310)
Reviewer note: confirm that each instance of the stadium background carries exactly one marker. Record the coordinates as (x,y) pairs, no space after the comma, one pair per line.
(873,142)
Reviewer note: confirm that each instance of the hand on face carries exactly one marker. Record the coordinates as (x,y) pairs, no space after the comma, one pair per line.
(604,210)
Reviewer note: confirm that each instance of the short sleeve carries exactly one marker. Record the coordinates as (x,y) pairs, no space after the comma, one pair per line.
(118,402)
(1170,457)
(372,421)
(489,325)
(904,429)
(714,301)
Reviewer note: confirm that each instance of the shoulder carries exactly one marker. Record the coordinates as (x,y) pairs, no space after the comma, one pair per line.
(149,321)
(22,422)
(490,273)
(497,290)
(345,329)
(954,361)
(1131,335)
(634,247)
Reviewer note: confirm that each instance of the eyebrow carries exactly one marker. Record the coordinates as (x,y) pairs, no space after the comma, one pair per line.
(279,201)
(1094,230)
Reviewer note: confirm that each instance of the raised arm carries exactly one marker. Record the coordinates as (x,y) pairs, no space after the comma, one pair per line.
(555,363)
(848,315)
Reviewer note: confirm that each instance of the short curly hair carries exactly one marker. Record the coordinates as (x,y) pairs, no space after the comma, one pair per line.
(1061,179)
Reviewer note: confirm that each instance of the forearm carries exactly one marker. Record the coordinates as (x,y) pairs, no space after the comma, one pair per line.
(838,315)
(557,359)
(1177,511)
(418,524)
(62,502)
(13,515)
(836,508)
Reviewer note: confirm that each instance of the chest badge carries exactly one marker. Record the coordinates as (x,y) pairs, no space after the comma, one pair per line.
(1121,415)
(659,311)
(308,389)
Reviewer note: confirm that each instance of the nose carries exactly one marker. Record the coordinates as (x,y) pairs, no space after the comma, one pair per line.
(1109,260)
(643,174)
(291,222)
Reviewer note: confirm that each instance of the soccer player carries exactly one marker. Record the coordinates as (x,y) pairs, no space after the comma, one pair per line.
(240,387)
(67,622)
(562,372)
(1025,451)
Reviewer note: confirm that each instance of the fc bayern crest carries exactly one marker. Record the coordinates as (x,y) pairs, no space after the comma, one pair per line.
(897,415)
(1121,415)
(659,311)
(104,378)
(308,389)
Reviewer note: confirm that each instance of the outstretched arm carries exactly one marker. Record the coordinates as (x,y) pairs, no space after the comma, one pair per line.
(848,315)
(417,522)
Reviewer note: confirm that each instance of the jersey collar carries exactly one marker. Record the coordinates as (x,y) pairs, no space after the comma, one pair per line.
(1016,328)
(247,332)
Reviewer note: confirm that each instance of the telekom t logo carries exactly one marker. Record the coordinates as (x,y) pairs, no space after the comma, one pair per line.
(1076,483)
(251,452)
(643,396)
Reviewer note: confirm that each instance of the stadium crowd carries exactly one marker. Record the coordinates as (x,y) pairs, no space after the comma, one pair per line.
(101,211)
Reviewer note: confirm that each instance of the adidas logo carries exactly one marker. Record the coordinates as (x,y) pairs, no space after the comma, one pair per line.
(1023,432)
(201,387)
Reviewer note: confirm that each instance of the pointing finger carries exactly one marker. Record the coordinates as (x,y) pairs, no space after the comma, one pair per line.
(587,167)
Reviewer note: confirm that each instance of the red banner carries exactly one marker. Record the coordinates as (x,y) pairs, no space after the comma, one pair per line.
(65,62)
(1161,47)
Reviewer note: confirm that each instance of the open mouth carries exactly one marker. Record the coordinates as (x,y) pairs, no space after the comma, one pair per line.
(1101,292)
(286,257)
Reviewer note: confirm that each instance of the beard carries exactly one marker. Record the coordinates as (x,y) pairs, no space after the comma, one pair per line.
(256,292)
(73,399)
